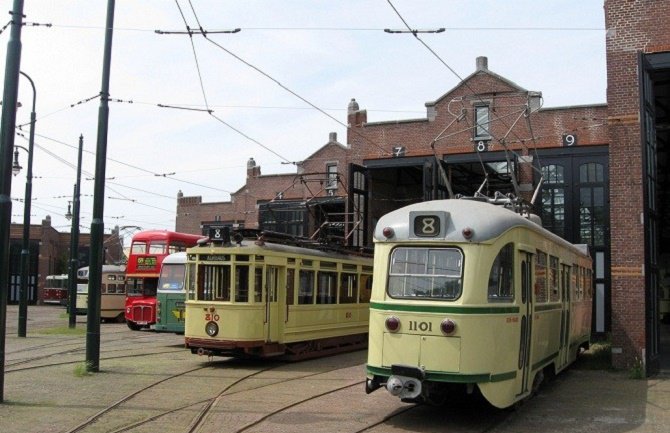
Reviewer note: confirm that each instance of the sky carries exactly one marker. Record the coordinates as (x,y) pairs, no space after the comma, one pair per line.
(261,85)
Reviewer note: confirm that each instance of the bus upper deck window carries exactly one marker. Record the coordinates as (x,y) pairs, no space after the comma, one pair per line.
(139,248)
(157,247)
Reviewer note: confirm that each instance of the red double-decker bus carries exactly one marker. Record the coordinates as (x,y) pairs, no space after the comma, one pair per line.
(147,251)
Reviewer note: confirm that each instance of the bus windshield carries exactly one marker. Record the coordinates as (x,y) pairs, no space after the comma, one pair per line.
(172,277)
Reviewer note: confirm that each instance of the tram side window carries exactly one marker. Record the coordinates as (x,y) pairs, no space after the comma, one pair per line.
(327,288)
(241,283)
(576,280)
(432,273)
(541,277)
(258,284)
(306,287)
(365,289)
(553,279)
(215,283)
(501,277)
(290,286)
(191,280)
(348,286)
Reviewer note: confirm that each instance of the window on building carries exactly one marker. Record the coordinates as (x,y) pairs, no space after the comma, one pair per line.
(482,122)
(331,172)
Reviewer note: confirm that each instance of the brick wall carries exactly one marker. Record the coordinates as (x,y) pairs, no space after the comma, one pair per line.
(308,181)
(633,26)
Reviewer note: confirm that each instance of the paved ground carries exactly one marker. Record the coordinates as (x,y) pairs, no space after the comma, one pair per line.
(55,398)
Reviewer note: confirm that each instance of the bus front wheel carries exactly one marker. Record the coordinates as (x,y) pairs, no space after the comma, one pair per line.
(133,326)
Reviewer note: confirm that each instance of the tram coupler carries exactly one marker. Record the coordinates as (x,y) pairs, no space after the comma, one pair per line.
(202,352)
(405,382)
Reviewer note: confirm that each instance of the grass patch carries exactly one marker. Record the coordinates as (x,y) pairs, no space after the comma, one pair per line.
(598,357)
(62,330)
(81,369)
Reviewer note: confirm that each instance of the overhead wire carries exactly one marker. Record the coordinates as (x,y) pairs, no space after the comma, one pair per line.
(292,92)
(466,84)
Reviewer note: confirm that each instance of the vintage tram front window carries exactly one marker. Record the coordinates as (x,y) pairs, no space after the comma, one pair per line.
(429,273)
(501,277)
(241,283)
(214,283)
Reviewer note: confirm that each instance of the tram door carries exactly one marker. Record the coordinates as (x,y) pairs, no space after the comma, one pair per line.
(272,320)
(526,319)
(564,350)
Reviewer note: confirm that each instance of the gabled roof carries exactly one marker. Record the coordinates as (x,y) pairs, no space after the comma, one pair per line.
(482,68)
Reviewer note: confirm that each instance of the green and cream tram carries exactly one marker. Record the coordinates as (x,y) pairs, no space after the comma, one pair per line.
(468,294)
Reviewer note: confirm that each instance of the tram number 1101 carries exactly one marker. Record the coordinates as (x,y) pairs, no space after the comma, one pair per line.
(420,326)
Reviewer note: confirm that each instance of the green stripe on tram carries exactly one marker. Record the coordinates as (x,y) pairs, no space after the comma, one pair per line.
(442,309)
(450,377)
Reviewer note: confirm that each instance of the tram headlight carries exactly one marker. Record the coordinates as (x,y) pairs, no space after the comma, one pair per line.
(467,233)
(392,323)
(448,326)
(211,328)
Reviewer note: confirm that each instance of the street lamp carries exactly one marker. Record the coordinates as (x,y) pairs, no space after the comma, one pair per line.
(16,167)
(68,215)
(25,249)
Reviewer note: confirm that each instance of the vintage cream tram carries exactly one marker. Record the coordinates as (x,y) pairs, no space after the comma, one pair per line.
(263,297)
(112,292)
(469,294)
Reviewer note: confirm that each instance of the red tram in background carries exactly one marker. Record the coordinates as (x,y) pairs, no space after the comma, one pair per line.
(55,289)
(147,251)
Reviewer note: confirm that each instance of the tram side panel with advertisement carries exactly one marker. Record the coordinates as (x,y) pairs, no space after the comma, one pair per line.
(470,296)
(112,292)
(171,295)
(147,251)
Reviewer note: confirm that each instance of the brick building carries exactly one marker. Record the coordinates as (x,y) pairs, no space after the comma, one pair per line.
(602,168)
(638,100)
(50,254)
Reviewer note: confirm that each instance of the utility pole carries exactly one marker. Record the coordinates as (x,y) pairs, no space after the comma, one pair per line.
(10,97)
(74,244)
(25,249)
(98,225)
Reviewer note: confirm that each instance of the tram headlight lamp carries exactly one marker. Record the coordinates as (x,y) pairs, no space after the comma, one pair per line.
(212,329)
(448,326)
(388,232)
(392,323)
(467,233)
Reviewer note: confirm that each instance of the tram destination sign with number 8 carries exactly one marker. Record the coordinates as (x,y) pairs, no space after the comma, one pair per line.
(428,225)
